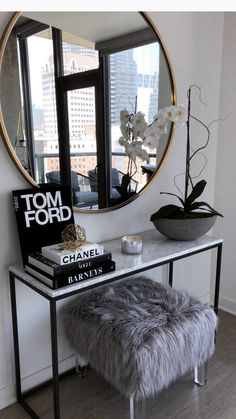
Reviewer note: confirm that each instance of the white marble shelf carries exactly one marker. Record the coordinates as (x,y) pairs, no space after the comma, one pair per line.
(156,249)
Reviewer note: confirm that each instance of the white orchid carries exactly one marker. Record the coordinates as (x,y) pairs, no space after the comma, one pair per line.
(138,135)
(124,116)
(133,149)
(122,141)
(125,131)
(138,119)
(143,155)
(163,113)
(139,125)
(156,129)
(180,114)
(161,125)
(151,142)
(172,113)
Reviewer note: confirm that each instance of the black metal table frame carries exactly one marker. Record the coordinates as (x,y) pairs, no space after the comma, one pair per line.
(21,397)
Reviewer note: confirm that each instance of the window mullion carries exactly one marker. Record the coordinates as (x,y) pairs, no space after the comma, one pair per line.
(106,137)
(26,91)
(102,156)
(62,110)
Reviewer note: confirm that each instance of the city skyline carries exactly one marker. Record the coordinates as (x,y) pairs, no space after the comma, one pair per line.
(134,71)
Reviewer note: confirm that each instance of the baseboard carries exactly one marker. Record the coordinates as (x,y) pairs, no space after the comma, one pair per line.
(46,373)
(7,396)
(227,305)
(8,392)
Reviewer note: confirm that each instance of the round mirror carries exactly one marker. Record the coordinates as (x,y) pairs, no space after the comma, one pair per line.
(68,80)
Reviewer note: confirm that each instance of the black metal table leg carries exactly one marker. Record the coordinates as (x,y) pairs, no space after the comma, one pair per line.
(19,394)
(171,273)
(15,336)
(56,398)
(217,280)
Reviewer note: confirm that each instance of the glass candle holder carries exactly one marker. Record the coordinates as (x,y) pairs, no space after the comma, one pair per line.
(131,244)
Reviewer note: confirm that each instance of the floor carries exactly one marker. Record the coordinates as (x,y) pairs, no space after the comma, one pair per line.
(92,398)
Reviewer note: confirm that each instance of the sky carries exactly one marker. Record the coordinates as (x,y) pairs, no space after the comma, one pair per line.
(38,58)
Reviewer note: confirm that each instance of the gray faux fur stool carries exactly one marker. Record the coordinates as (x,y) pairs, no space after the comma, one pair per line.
(140,335)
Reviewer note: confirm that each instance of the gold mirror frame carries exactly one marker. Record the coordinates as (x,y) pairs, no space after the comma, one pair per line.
(9,146)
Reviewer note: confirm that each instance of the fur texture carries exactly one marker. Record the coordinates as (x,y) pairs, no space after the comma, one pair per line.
(139,335)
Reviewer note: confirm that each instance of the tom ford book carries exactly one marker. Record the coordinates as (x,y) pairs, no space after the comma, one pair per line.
(41,215)
(54,269)
(86,251)
(69,279)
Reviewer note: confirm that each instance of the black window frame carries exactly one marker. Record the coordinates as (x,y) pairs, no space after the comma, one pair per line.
(98,78)
(22,33)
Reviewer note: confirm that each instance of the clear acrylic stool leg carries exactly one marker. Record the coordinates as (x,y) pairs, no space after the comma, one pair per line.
(136,408)
(200,374)
(81,366)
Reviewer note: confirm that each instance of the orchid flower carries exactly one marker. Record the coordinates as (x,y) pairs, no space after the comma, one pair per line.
(137,135)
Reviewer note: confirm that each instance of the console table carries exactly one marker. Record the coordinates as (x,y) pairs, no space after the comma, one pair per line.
(157,251)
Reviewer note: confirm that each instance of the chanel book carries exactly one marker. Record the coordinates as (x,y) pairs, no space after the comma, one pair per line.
(57,254)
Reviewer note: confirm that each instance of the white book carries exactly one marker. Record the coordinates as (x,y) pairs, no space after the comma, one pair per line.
(62,257)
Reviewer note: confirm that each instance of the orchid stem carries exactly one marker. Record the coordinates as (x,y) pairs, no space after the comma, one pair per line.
(187,147)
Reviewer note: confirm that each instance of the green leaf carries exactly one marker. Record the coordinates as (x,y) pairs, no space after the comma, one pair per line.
(173,194)
(165,212)
(196,192)
(199,205)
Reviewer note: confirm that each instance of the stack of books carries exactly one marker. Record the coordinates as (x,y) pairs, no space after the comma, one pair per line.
(58,268)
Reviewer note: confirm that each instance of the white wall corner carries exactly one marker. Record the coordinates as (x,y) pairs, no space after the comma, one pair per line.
(8,392)
(228,305)
(7,395)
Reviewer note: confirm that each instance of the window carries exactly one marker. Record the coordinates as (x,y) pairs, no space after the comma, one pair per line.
(39,100)
(87,88)
(76,56)
(134,84)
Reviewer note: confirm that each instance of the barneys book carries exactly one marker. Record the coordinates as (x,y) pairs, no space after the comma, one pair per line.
(54,269)
(72,278)
(41,215)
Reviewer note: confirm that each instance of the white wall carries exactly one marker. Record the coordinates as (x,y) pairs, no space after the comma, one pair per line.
(225,194)
(194,42)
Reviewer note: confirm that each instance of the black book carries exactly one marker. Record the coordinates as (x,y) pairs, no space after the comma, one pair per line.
(70,279)
(41,215)
(54,269)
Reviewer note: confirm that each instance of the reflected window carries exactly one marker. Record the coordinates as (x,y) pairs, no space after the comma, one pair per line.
(133,84)
(91,82)
(78,54)
(39,101)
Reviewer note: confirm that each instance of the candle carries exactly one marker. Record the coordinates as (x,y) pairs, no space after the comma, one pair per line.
(131,244)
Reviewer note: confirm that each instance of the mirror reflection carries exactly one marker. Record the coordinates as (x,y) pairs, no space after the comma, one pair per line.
(64,79)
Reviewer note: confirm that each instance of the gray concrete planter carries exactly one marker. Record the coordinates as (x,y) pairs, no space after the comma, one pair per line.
(184,229)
